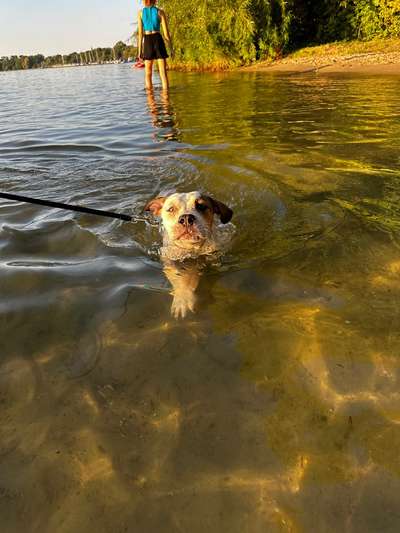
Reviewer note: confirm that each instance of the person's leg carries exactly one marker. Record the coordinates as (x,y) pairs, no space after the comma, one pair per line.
(148,66)
(162,69)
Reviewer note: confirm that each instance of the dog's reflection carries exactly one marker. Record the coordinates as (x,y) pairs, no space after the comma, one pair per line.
(163,116)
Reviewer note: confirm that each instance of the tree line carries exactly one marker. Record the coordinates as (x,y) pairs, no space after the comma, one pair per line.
(218,33)
(119,52)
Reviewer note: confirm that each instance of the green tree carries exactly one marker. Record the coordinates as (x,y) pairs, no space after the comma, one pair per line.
(227,32)
(217,33)
(119,49)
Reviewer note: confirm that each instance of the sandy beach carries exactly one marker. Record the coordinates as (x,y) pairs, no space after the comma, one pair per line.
(380,63)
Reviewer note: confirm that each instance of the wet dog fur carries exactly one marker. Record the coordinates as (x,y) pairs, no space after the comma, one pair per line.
(190,231)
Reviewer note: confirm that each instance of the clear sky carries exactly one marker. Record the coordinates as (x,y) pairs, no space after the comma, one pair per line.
(52,26)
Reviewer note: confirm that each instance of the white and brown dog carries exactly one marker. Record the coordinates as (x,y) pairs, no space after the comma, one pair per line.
(190,232)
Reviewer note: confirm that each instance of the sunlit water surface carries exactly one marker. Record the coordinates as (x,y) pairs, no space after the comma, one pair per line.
(274,408)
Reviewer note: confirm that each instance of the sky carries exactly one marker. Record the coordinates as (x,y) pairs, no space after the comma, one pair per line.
(63,26)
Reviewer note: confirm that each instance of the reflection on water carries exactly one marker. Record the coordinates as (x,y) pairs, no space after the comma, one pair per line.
(275,407)
(162,115)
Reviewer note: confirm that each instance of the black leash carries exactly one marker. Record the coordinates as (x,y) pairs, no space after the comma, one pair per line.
(59,205)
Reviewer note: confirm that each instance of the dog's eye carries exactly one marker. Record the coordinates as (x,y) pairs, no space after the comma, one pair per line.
(202,207)
(171,209)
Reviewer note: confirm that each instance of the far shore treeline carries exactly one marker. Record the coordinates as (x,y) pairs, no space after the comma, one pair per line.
(119,52)
(224,33)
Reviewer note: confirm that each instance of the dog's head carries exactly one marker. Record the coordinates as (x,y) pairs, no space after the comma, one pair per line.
(188,218)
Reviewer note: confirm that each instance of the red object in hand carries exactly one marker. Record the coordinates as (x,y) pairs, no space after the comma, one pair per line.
(139,63)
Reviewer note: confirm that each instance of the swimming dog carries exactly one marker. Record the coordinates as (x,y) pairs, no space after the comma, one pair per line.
(190,231)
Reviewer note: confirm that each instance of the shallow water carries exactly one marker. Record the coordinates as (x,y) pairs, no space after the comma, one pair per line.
(275,407)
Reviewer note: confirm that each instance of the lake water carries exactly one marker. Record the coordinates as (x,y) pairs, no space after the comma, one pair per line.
(276,406)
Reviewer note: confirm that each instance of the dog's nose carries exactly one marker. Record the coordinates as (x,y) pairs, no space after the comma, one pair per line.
(187,220)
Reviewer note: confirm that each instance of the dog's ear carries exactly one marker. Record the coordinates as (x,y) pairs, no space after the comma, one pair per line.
(155,205)
(224,212)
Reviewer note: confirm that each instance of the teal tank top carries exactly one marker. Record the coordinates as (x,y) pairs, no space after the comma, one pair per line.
(150,19)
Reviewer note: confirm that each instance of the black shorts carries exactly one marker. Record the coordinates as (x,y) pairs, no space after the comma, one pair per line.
(154,47)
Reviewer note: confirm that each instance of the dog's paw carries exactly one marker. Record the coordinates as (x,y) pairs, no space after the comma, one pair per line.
(182,303)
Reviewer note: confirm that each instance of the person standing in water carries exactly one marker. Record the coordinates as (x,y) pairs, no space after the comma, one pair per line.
(151,44)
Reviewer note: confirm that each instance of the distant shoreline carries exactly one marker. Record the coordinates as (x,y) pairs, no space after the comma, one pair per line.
(75,65)
(85,64)
(119,53)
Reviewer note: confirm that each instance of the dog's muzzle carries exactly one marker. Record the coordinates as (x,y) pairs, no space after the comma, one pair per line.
(187,220)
